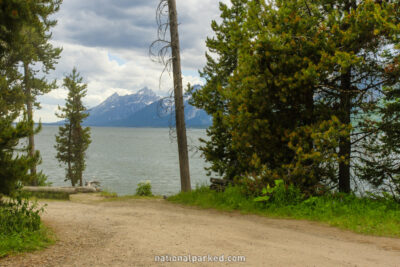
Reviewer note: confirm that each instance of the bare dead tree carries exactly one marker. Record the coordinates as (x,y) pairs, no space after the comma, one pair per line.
(167,52)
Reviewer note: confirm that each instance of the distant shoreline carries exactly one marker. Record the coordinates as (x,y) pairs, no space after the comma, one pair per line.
(137,127)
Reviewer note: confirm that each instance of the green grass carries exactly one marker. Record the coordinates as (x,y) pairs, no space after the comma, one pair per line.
(112,196)
(361,215)
(21,228)
(108,194)
(15,243)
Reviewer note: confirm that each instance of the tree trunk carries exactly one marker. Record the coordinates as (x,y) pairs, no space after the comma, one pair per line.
(29,108)
(70,154)
(345,142)
(179,108)
(80,175)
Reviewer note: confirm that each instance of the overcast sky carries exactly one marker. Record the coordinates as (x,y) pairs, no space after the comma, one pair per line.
(108,41)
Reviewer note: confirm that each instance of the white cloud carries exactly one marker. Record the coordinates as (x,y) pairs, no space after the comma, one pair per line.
(108,43)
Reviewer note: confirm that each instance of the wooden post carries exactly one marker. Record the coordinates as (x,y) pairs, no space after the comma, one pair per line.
(178,92)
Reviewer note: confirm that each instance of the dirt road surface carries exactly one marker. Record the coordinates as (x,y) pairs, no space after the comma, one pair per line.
(134,232)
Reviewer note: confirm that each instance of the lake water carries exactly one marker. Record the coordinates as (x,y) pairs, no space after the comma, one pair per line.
(120,158)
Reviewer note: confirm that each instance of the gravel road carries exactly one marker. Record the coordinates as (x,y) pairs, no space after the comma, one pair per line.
(91,232)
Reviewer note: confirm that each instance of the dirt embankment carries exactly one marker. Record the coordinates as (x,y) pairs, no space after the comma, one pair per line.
(134,232)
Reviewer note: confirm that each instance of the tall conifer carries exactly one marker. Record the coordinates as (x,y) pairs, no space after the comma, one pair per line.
(35,48)
(73,140)
(14,16)
(306,77)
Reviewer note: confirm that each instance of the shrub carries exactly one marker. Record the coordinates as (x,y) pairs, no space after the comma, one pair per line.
(18,216)
(144,189)
(280,194)
(43,179)
(108,194)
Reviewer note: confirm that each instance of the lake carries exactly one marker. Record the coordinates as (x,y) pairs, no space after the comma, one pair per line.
(120,158)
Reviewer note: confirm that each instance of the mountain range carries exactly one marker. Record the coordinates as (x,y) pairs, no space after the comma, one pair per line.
(143,109)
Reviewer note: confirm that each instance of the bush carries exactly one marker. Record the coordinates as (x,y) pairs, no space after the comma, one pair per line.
(20,226)
(144,189)
(43,179)
(280,195)
(18,216)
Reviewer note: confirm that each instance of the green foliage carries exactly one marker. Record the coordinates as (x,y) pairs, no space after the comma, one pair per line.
(212,98)
(42,179)
(108,194)
(380,164)
(13,168)
(280,194)
(288,81)
(14,17)
(231,199)
(73,140)
(144,189)
(374,216)
(20,226)
(19,215)
(26,241)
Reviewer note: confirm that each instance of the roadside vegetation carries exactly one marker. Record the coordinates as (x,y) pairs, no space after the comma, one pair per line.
(21,228)
(372,215)
(304,110)
(25,33)
(143,191)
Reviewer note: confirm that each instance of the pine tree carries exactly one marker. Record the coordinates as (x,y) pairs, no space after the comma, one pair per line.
(35,48)
(218,150)
(14,15)
(380,162)
(357,53)
(304,72)
(272,110)
(73,140)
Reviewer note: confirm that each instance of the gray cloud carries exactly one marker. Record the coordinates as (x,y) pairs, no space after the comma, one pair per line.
(128,24)
(92,30)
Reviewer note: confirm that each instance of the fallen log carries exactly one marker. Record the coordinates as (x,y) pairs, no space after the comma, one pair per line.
(219,185)
(67,190)
(219,181)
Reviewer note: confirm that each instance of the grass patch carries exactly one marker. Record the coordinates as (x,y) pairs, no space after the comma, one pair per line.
(379,217)
(108,194)
(26,241)
(112,196)
(21,228)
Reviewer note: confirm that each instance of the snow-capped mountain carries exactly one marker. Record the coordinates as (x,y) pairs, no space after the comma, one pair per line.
(143,109)
(118,107)
(162,114)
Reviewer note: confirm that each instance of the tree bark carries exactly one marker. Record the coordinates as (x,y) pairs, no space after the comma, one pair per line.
(344,142)
(70,154)
(178,92)
(29,108)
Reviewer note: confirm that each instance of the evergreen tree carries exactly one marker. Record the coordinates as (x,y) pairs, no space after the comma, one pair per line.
(35,48)
(358,48)
(73,140)
(218,150)
(303,72)
(14,15)
(380,163)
